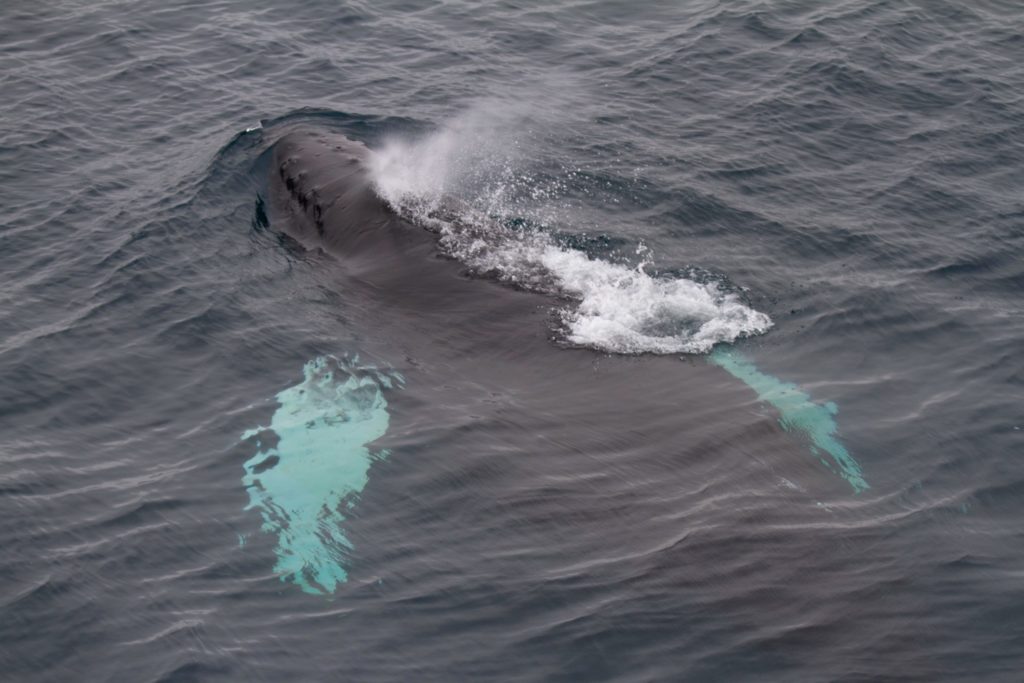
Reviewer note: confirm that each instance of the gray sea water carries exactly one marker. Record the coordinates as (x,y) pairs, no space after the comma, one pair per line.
(758,419)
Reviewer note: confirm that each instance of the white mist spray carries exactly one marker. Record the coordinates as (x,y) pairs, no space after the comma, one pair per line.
(467,180)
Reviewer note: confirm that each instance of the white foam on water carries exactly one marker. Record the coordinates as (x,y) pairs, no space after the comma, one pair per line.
(464,179)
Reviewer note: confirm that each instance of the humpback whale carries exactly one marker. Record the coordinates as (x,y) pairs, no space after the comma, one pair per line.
(486,388)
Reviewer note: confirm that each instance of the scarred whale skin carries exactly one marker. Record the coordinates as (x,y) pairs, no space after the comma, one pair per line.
(322,195)
(325,186)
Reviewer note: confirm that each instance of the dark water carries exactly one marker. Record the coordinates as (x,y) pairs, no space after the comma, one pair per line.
(504,503)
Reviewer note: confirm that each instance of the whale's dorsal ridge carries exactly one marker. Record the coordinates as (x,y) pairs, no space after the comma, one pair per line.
(323,195)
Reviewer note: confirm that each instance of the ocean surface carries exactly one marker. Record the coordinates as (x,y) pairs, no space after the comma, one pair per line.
(729,387)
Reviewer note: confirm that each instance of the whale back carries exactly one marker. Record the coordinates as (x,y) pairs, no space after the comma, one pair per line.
(322,195)
(325,197)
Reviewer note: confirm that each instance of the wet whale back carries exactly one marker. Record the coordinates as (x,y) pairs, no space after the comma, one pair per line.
(326,197)
(322,195)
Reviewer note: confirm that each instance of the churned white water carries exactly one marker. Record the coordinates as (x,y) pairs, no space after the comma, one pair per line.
(465,182)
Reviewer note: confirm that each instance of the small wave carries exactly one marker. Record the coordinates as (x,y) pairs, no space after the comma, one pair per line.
(464,182)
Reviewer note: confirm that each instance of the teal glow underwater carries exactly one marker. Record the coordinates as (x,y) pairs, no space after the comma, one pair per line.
(798,413)
(307,482)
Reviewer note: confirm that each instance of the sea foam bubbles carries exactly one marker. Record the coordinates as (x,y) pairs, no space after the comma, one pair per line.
(465,182)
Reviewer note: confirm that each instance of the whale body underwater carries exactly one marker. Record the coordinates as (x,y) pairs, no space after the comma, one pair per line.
(464,376)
